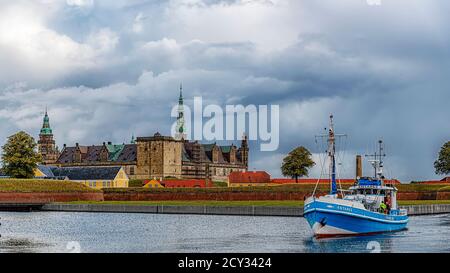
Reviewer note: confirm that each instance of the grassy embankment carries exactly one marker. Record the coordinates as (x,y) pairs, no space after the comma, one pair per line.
(308,188)
(282,188)
(304,188)
(41,185)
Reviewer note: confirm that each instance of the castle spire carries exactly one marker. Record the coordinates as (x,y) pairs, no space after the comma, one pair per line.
(180,130)
(180,99)
(46,130)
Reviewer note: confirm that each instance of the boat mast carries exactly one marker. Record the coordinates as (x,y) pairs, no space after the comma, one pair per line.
(331,154)
(331,151)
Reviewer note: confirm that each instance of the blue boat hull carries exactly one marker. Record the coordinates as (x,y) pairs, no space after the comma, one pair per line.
(336,220)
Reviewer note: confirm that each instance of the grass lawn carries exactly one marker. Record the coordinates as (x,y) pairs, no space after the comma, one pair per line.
(197,203)
(422,202)
(41,185)
(306,188)
(219,189)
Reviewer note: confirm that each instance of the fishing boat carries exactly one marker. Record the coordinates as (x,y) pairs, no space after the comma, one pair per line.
(367,207)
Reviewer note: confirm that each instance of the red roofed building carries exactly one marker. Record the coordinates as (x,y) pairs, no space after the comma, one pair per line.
(250,178)
(186,183)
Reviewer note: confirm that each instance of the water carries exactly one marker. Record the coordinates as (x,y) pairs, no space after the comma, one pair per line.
(122,232)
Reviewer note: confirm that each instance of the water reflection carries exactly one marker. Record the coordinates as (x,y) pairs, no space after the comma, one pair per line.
(118,232)
(352,244)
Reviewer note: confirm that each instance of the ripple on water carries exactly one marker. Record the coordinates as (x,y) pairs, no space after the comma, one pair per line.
(21,245)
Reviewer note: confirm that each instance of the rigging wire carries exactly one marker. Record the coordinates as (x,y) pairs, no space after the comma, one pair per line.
(322,160)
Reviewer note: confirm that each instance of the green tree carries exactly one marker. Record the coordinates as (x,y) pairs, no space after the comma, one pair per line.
(19,156)
(442,164)
(297,163)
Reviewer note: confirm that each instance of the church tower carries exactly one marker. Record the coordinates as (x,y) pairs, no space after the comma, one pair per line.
(180,129)
(46,144)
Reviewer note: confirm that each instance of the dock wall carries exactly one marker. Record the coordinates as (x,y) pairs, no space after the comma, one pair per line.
(220,210)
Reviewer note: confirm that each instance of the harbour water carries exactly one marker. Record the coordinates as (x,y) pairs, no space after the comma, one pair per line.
(128,232)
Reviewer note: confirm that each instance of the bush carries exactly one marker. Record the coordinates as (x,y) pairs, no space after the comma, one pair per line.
(133,183)
(220,184)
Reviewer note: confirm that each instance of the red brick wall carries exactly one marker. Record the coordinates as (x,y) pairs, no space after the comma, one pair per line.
(243,196)
(224,196)
(47,197)
(148,196)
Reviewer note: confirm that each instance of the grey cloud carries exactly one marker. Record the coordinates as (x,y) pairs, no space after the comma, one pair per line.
(380,70)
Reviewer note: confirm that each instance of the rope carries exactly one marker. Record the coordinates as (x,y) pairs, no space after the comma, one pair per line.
(322,160)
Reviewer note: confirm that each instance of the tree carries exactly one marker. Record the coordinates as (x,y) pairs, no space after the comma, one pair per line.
(297,163)
(19,156)
(442,164)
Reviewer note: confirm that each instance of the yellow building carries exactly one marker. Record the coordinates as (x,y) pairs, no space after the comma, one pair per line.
(153,184)
(94,177)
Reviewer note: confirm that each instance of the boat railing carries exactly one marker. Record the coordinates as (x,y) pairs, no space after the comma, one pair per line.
(402,212)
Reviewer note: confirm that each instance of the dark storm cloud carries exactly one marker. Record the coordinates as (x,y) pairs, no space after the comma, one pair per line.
(110,69)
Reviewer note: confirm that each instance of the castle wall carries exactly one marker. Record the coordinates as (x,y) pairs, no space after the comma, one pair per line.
(217,172)
(172,159)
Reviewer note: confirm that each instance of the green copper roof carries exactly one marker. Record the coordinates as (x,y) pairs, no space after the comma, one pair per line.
(226,149)
(208,147)
(114,151)
(46,130)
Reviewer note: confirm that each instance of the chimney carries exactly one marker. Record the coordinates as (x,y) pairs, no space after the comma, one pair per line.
(109,142)
(358,166)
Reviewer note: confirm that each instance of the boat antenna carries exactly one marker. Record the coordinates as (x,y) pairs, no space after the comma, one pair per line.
(377,161)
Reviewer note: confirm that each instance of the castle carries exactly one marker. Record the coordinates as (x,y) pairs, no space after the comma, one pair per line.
(151,157)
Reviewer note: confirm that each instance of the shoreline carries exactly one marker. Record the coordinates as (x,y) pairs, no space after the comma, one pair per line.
(284,211)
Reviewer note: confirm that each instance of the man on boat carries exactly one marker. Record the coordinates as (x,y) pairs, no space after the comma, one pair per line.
(383,207)
(388,203)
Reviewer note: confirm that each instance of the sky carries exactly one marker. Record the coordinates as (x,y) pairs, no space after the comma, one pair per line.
(109,69)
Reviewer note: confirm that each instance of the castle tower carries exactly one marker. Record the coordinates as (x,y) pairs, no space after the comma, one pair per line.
(158,157)
(180,129)
(46,143)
